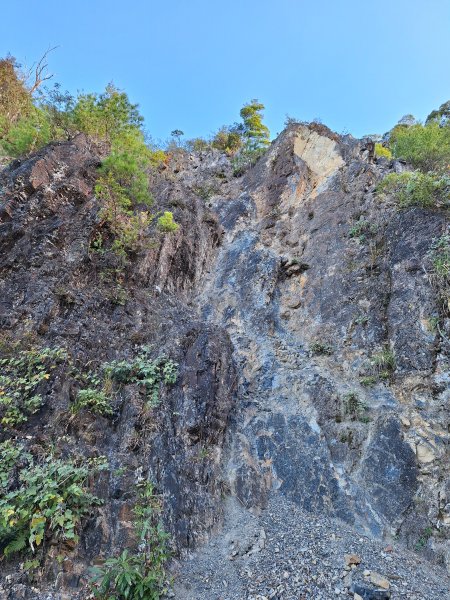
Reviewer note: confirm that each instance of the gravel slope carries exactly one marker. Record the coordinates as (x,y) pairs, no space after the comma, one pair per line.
(287,554)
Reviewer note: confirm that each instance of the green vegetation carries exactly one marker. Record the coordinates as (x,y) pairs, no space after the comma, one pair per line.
(144,371)
(122,186)
(383,363)
(318,347)
(413,188)
(382,151)
(21,378)
(41,498)
(166,222)
(354,407)
(439,255)
(93,399)
(425,535)
(361,229)
(426,147)
(140,574)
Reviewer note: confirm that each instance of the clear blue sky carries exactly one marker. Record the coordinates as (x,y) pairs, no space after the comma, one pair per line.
(358,65)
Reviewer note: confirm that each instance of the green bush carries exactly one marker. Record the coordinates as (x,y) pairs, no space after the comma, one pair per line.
(144,371)
(382,151)
(40,499)
(166,222)
(413,188)
(138,575)
(94,400)
(425,147)
(440,259)
(20,379)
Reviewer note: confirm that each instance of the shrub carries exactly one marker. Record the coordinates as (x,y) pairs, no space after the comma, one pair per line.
(106,116)
(383,363)
(21,377)
(382,151)
(227,140)
(318,347)
(425,147)
(353,406)
(47,498)
(141,574)
(94,400)
(166,222)
(144,371)
(440,259)
(413,188)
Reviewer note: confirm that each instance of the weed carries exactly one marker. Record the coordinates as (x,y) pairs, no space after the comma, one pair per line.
(140,574)
(41,498)
(21,378)
(321,348)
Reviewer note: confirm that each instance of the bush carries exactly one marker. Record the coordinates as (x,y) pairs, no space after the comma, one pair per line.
(20,380)
(40,499)
(144,371)
(166,222)
(94,400)
(139,575)
(416,189)
(227,140)
(382,151)
(425,147)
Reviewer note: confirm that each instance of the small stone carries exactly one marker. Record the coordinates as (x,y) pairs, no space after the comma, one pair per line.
(366,573)
(379,581)
(352,559)
(357,597)
(389,548)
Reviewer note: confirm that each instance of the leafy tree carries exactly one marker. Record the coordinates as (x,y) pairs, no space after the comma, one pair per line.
(441,116)
(255,133)
(107,115)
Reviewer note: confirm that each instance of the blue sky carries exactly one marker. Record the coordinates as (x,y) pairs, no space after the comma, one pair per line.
(190,64)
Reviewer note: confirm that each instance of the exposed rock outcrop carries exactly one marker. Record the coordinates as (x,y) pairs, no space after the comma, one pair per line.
(275,297)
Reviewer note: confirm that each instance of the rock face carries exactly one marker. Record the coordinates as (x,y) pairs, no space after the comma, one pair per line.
(299,307)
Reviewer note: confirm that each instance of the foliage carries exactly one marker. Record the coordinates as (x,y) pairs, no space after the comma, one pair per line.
(166,222)
(20,379)
(440,259)
(15,99)
(318,347)
(441,116)
(354,407)
(141,575)
(413,188)
(47,498)
(382,151)
(361,229)
(255,133)
(245,159)
(106,116)
(383,363)
(144,371)
(425,147)
(198,145)
(94,400)
(227,140)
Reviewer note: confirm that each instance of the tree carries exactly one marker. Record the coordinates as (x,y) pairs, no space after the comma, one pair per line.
(255,133)
(441,116)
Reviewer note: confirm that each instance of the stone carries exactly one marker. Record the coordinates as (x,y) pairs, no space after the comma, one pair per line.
(379,581)
(352,559)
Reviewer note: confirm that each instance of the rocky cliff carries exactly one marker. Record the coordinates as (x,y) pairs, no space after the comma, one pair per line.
(311,344)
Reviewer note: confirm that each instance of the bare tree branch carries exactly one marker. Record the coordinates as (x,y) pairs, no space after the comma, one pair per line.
(40,71)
